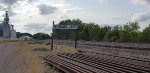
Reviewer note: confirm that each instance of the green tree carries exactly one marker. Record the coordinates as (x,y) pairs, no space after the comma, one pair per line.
(85,33)
(130,32)
(19,34)
(107,36)
(146,35)
(91,31)
(41,36)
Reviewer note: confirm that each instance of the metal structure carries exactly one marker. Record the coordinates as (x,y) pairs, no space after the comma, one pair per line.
(63,27)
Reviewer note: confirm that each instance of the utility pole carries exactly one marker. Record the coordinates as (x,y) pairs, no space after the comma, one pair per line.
(52,36)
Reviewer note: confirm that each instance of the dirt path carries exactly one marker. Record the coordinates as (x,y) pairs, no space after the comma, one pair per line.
(8,62)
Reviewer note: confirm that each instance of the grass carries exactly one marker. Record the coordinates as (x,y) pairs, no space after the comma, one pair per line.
(33,63)
(7,41)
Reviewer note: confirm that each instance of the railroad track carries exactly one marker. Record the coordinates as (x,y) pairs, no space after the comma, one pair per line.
(103,58)
(87,63)
(134,54)
(134,46)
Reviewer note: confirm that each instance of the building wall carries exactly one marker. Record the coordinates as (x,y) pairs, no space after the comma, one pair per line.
(1,29)
(6,31)
(13,34)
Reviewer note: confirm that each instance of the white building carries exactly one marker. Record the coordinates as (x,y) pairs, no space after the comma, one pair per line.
(24,37)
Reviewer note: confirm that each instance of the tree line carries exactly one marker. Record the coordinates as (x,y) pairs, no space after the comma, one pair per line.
(128,33)
(38,36)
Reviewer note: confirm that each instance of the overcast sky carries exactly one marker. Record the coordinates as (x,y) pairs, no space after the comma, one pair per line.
(37,15)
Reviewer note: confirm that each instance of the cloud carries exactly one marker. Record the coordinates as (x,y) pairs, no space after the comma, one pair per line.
(37,27)
(9,2)
(70,10)
(142,16)
(118,17)
(104,1)
(63,16)
(25,13)
(11,6)
(63,0)
(142,2)
(45,9)
(1,7)
(145,16)
(31,0)
(65,8)
(10,11)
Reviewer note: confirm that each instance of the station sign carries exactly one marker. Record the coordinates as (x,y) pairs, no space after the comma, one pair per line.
(65,27)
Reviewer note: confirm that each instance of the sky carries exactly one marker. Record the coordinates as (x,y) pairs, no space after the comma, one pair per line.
(34,16)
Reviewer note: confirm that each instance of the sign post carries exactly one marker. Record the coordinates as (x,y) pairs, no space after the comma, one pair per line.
(52,36)
(64,27)
(76,39)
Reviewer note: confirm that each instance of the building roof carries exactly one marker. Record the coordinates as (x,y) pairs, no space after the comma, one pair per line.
(24,36)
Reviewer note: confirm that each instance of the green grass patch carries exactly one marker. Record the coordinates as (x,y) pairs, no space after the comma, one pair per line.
(7,41)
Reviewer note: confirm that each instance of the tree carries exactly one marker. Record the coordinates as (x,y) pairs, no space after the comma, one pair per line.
(41,36)
(146,35)
(85,33)
(19,34)
(91,31)
(107,36)
(130,32)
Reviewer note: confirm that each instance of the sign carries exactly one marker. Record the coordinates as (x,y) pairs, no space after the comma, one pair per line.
(65,27)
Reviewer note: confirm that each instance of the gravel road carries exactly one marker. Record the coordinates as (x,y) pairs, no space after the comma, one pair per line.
(8,62)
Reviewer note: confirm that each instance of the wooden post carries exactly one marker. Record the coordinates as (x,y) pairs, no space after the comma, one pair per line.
(76,38)
(52,36)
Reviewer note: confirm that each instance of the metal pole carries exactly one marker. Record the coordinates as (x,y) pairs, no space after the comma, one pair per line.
(52,36)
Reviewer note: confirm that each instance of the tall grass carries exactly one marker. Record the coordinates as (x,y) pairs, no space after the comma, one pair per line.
(33,63)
